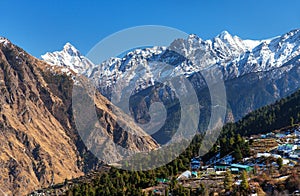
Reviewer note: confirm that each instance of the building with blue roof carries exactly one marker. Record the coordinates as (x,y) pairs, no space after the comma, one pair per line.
(195,164)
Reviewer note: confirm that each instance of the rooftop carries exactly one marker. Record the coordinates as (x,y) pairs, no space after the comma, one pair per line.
(240,166)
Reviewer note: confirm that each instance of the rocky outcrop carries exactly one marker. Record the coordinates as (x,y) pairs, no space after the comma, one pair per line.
(39,143)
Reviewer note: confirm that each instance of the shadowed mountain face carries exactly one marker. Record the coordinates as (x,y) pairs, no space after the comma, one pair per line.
(39,143)
(244,94)
(256,72)
(230,54)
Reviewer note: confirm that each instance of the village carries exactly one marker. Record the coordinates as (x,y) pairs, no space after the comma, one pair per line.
(275,156)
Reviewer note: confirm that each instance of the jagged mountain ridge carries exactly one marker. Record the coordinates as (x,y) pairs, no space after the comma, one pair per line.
(39,141)
(233,55)
(71,58)
(268,55)
(272,61)
(199,55)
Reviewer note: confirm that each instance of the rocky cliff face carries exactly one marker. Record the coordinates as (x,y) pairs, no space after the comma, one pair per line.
(39,143)
(273,60)
(255,73)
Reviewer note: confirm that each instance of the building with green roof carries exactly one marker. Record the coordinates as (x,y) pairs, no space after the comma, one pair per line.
(238,167)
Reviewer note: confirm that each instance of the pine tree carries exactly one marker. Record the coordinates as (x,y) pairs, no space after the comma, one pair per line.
(279,162)
(228,181)
(238,154)
(244,183)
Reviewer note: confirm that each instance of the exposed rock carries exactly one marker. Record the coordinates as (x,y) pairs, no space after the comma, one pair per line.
(39,143)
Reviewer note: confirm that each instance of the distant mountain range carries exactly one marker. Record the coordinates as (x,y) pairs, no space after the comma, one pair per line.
(256,72)
(232,55)
(40,144)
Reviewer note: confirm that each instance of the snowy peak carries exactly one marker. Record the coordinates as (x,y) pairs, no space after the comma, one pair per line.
(237,42)
(224,35)
(4,41)
(234,43)
(71,50)
(268,55)
(194,37)
(233,55)
(70,58)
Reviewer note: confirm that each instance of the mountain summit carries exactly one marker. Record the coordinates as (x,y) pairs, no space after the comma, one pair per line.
(230,54)
(71,58)
(271,63)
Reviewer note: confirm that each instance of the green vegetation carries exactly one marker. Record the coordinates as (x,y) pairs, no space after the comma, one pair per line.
(244,184)
(228,181)
(280,162)
(283,113)
(119,182)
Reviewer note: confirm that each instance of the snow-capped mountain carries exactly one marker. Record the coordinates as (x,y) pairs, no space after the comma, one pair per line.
(186,55)
(268,55)
(219,50)
(71,58)
(256,73)
(230,54)
(4,40)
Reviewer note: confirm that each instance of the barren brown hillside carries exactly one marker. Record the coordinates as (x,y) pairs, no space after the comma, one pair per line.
(39,143)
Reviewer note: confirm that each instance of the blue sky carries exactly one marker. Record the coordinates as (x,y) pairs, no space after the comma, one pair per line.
(41,26)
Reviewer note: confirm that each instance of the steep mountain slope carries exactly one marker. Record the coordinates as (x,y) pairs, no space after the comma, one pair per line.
(256,73)
(254,90)
(283,113)
(188,56)
(39,141)
(275,116)
(268,55)
(29,131)
(234,56)
(244,94)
